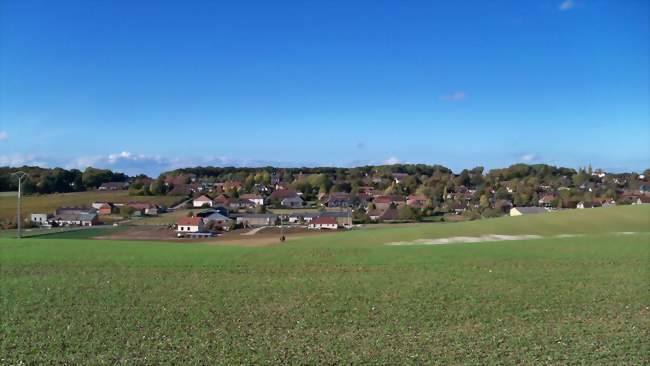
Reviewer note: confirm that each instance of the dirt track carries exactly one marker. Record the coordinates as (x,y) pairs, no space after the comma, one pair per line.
(264,237)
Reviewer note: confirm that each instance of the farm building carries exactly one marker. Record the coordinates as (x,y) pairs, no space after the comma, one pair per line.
(257,219)
(218,220)
(79,218)
(324,223)
(519,211)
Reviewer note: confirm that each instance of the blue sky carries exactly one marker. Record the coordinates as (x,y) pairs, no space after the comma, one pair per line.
(150,85)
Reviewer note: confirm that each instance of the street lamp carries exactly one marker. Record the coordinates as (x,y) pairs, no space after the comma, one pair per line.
(20,175)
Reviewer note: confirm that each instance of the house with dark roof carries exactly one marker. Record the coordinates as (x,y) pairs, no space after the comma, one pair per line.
(292,202)
(76,218)
(339,199)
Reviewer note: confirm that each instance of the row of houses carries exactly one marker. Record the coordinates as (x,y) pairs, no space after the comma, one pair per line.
(66,216)
(90,216)
(205,223)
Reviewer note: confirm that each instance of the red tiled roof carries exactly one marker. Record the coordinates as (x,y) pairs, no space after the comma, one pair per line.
(324,221)
(192,221)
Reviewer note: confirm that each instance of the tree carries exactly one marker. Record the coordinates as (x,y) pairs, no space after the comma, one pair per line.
(408,213)
(126,211)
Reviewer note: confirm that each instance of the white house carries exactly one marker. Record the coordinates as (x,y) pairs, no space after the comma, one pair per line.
(324,223)
(254,198)
(189,225)
(39,218)
(202,201)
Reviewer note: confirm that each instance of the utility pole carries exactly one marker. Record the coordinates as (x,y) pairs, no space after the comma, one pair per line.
(282,238)
(20,175)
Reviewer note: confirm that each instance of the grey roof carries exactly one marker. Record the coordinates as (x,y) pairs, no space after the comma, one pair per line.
(334,214)
(84,216)
(530,210)
(304,214)
(258,216)
(217,217)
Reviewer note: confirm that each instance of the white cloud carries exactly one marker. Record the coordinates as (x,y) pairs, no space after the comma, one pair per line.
(454,97)
(529,157)
(391,161)
(16,160)
(3,135)
(567,5)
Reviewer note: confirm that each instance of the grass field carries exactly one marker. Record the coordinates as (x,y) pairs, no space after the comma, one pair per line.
(342,298)
(48,203)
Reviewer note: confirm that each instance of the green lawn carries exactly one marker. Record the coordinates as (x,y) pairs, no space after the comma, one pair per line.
(49,202)
(339,299)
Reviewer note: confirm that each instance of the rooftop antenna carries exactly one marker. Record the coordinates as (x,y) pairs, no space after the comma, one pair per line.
(20,175)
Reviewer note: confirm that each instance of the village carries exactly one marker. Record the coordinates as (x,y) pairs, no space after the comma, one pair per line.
(209,207)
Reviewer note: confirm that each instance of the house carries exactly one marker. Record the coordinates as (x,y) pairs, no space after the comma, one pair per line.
(458,207)
(339,199)
(143,208)
(257,220)
(320,223)
(417,201)
(643,200)
(254,198)
(383,202)
(519,211)
(189,225)
(389,214)
(222,200)
(232,185)
(298,217)
(342,217)
(40,219)
(546,200)
(203,201)
(281,194)
(104,209)
(237,203)
(113,186)
(399,177)
(218,220)
(292,202)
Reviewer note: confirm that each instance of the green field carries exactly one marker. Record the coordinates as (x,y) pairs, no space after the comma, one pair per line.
(339,299)
(49,202)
